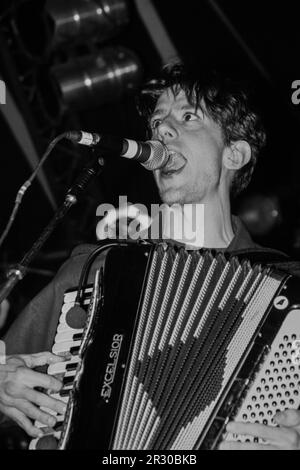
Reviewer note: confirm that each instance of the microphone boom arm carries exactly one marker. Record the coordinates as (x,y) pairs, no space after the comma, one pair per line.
(14,275)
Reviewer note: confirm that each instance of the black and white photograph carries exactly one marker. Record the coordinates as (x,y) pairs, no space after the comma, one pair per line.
(149,229)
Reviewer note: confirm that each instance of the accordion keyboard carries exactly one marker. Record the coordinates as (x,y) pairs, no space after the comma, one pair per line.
(68,340)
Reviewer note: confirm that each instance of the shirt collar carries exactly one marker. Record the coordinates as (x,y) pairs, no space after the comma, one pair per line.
(242,239)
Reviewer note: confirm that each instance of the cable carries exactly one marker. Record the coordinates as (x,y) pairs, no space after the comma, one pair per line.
(26,185)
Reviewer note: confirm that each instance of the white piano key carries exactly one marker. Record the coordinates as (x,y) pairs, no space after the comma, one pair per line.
(33,443)
(65,346)
(67,335)
(67,387)
(57,396)
(61,367)
(60,418)
(71,296)
(64,327)
(70,373)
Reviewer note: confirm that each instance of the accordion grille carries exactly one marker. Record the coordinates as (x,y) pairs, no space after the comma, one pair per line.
(198,314)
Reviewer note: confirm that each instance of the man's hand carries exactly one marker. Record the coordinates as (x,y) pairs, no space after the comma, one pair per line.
(286,436)
(18,398)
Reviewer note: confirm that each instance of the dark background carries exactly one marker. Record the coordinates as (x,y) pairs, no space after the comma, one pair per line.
(257,42)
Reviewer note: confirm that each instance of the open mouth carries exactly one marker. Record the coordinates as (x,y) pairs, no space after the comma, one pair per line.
(167,173)
(175,164)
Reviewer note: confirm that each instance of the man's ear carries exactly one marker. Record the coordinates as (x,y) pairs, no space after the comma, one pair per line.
(237,155)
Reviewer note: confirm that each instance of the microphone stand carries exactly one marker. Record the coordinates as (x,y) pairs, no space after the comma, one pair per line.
(18,272)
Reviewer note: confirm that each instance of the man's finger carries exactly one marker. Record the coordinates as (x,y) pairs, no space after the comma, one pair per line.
(14,361)
(41,399)
(288,418)
(233,445)
(33,412)
(41,359)
(258,430)
(31,378)
(23,422)
(5,368)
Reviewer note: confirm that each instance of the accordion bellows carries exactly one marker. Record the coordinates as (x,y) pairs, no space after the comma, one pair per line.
(178,343)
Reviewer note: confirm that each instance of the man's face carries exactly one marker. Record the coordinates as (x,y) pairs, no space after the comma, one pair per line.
(196,146)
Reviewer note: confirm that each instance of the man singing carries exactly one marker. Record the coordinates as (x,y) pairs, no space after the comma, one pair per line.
(213,139)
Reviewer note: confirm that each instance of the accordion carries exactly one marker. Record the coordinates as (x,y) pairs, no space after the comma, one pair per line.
(172,344)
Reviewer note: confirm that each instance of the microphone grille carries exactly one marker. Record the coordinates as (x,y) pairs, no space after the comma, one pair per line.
(158,157)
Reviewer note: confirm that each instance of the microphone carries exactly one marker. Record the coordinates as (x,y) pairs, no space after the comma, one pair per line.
(152,154)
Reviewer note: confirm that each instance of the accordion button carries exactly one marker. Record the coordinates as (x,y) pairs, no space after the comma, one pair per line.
(76,317)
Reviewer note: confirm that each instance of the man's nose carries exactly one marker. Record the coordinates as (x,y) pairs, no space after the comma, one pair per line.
(166,130)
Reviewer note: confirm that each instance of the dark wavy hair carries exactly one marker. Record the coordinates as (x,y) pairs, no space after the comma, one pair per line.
(222,100)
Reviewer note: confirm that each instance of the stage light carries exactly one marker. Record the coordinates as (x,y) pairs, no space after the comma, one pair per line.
(40,27)
(85,82)
(95,19)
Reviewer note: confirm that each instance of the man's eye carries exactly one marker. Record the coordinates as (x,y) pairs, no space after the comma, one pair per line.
(190,117)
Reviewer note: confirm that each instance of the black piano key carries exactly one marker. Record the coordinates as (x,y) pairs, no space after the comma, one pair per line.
(64,392)
(74,350)
(58,427)
(77,337)
(71,366)
(68,380)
